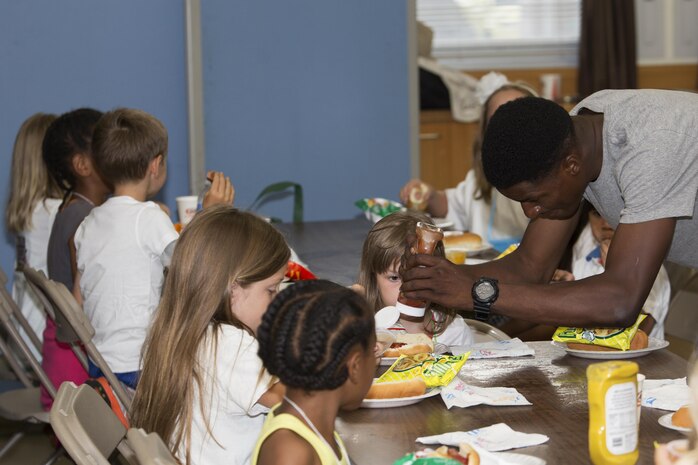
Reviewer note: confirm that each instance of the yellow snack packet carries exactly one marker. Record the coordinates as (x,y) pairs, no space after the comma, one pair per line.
(436,370)
(507,251)
(615,338)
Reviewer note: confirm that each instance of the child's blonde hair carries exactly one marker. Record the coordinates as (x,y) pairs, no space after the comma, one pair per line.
(221,246)
(125,141)
(384,247)
(30,180)
(484,188)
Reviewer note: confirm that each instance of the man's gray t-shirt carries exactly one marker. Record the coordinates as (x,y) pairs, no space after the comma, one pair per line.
(650,162)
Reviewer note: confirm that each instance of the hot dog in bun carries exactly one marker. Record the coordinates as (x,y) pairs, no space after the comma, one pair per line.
(395,389)
(410,344)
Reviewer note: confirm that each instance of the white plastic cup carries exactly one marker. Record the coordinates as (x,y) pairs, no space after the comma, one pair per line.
(551,86)
(186,208)
(640,382)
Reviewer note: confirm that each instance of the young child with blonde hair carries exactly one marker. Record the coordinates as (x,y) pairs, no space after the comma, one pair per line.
(203,388)
(318,338)
(29,215)
(382,254)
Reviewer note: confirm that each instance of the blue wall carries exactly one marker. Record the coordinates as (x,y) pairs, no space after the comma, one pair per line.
(315,92)
(308,91)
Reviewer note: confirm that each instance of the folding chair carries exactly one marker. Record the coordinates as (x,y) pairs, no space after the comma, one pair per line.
(86,426)
(149,448)
(22,404)
(17,313)
(73,326)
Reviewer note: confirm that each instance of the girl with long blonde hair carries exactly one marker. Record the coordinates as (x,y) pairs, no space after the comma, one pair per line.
(202,387)
(31,209)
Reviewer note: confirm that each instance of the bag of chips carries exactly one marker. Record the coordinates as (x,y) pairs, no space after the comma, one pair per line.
(436,370)
(613,338)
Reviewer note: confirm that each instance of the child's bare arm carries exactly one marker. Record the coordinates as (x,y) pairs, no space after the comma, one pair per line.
(273,396)
(222,190)
(76,288)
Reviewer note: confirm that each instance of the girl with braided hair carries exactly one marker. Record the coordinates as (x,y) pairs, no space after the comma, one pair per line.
(202,387)
(318,338)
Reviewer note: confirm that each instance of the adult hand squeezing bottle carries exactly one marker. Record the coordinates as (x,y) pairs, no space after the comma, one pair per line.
(428,236)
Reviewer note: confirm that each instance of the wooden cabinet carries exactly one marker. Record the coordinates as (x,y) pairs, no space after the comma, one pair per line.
(446,148)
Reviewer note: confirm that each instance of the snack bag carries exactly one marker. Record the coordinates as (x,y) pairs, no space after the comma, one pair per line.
(507,251)
(377,208)
(614,338)
(297,272)
(436,370)
(444,455)
(418,459)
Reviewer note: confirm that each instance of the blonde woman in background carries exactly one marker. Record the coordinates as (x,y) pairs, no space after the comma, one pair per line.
(33,202)
(473,205)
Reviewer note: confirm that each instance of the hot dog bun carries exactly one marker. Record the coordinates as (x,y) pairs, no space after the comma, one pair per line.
(465,455)
(466,240)
(396,389)
(410,344)
(640,341)
(682,417)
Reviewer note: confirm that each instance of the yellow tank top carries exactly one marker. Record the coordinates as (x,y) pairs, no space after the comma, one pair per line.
(289,422)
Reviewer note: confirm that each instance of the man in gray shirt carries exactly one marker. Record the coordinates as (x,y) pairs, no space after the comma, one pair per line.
(633,154)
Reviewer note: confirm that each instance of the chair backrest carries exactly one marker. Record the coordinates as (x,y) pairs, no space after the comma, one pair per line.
(80,327)
(7,323)
(17,313)
(85,425)
(149,448)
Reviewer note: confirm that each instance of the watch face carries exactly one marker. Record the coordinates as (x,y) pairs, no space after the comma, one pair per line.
(484,291)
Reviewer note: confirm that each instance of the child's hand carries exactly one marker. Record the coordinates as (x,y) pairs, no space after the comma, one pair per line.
(416,194)
(605,244)
(221,191)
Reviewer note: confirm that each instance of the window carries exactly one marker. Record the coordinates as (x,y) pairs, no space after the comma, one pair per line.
(500,34)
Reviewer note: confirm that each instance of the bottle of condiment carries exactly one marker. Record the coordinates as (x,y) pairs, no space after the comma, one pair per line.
(428,236)
(613,428)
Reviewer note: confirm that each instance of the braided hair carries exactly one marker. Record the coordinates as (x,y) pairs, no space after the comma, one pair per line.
(308,331)
(69,134)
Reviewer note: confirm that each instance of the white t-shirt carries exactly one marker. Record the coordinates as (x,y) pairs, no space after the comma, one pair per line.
(471,214)
(119,247)
(36,245)
(233,382)
(585,263)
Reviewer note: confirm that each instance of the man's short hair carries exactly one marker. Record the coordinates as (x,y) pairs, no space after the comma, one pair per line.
(525,140)
(124,143)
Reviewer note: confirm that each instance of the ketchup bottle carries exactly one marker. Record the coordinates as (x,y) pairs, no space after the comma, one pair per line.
(428,236)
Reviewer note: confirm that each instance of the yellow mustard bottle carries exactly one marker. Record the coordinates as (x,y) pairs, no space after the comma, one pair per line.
(613,429)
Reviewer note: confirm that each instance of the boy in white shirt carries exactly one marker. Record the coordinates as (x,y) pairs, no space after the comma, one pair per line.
(120,245)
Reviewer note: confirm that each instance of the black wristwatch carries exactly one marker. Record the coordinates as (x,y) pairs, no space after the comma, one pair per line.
(485,292)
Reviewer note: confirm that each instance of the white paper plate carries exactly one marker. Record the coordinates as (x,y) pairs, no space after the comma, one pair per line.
(665,421)
(399,402)
(654,344)
(519,459)
(475,261)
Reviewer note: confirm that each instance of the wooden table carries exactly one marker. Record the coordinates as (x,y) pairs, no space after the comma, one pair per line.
(555,383)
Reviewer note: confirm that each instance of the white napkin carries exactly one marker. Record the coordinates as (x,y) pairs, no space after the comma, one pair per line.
(665,394)
(460,394)
(492,438)
(495,349)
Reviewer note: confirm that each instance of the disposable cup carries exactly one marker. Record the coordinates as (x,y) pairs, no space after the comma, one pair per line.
(186,208)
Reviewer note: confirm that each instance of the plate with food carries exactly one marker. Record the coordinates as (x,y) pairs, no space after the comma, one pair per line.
(442,223)
(665,421)
(398,393)
(406,344)
(604,353)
